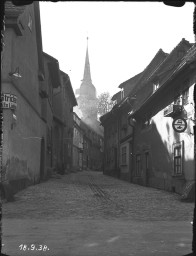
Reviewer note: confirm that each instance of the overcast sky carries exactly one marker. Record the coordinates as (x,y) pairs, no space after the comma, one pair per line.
(123,37)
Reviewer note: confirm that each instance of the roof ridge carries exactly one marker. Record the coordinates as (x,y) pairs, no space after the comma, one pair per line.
(168,56)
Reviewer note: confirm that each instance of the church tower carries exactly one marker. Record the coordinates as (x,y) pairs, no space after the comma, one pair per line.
(87,100)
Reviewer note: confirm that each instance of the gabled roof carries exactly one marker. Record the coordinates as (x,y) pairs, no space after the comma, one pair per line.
(190,57)
(12,10)
(137,82)
(163,67)
(53,67)
(114,97)
(69,87)
(130,81)
(158,59)
(186,60)
(12,14)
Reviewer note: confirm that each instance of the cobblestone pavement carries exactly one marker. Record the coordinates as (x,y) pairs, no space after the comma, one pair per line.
(87,213)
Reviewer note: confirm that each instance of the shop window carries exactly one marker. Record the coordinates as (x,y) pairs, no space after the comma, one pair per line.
(138,166)
(124,155)
(178,157)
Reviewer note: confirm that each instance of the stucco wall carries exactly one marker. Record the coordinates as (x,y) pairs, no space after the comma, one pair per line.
(158,139)
(21,139)
(22,136)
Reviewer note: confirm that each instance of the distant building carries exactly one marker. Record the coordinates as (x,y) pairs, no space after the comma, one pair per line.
(77,144)
(87,112)
(87,147)
(87,100)
(93,147)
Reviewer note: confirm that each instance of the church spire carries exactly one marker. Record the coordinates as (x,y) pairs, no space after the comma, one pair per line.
(87,72)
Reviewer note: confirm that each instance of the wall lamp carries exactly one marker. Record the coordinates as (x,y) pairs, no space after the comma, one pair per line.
(16,73)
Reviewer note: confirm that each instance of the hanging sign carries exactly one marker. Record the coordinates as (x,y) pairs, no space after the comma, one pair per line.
(8,100)
(179,124)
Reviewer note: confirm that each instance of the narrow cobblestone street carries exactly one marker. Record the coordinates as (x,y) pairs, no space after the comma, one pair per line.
(87,213)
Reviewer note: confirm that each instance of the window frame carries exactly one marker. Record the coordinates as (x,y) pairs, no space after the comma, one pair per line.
(178,159)
(156,86)
(122,94)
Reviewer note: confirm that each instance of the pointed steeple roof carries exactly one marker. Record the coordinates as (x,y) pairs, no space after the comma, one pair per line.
(87,72)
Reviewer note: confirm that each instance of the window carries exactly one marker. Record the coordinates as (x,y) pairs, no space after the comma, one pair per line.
(177,100)
(124,155)
(185,95)
(138,165)
(178,158)
(155,86)
(114,102)
(146,123)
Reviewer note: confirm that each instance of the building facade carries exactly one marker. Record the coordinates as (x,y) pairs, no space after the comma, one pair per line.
(23,150)
(87,147)
(118,134)
(164,157)
(37,123)
(87,100)
(144,148)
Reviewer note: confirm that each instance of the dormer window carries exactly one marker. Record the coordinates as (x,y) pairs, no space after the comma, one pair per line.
(114,102)
(155,86)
